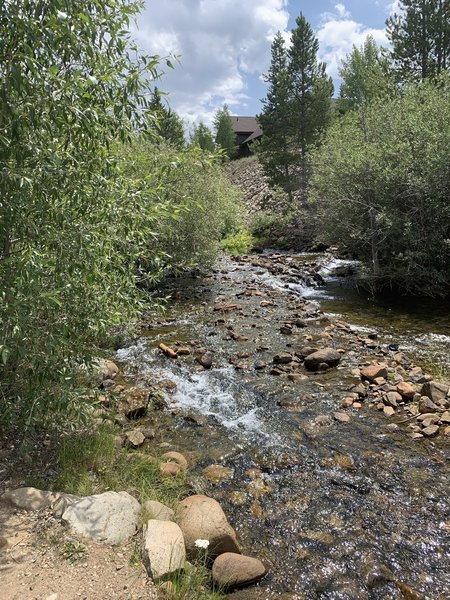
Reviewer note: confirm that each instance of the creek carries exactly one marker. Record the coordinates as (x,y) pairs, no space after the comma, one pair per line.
(354,510)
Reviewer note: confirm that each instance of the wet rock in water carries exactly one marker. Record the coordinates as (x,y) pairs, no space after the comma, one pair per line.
(170,469)
(111,517)
(205,360)
(426,405)
(158,510)
(305,351)
(373,372)
(359,389)
(406,390)
(167,350)
(183,351)
(434,390)
(377,575)
(327,356)
(163,552)
(200,517)
(282,358)
(232,570)
(389,411)
(431,430)
(135,437)
(216,473)
(296,377)
(259,365)
(176,457)
(277,371)
(407,592)
(341,417)
(286,329)
(29,498)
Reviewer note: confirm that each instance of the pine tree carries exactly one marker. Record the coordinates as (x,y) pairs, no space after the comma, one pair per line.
(364,75)
(225,136)
(203,138)
(420,37)
(311,89)
(168,124)
(274,149)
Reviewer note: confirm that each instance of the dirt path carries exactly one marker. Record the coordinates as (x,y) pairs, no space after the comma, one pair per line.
(40,560)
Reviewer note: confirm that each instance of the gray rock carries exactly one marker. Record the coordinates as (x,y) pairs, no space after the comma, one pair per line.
(283,358)
(434,390)
(235,570)
(426,405)
(164,552)
(111,517)
(29,498)
(157,510)
(206,360)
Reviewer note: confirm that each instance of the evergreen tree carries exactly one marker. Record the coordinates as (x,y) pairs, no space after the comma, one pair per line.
(225,136)
(364,75)
(203,138)
(420,37)
(275,147)
(168,124)
(311,88)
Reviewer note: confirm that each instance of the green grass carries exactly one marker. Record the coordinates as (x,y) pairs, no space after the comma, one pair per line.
(194,583)
(92,462)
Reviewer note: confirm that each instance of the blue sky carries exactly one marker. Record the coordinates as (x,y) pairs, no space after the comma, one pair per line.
(224,45)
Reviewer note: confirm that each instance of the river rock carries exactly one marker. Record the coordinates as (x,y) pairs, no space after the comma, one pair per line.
(216,473)
(176,457)
(426,405)
(406,390)
(134,402)
(283,358)
(107,369)
(374,372)
(158,510)
(170,469)
(434,390)
(305,351)
(29,498)
(327,356)
(206,360)
(341,417)
(164,552)
(111,517)
(445,417)
(235,570)
(431,430)
(200,517)
(392,399)
(135,437)
(388,411)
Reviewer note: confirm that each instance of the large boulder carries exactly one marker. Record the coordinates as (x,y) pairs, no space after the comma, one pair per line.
(111,517)
(328,356)
(157,510)
(202,518)
(29,498)
(235,570)
(164,552)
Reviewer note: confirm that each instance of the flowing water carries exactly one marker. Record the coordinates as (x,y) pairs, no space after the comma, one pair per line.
(338,510)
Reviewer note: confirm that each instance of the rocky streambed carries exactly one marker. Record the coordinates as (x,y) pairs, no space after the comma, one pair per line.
(326,445)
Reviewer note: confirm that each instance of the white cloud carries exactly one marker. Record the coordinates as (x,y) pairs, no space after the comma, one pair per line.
(338,33)
(220,42)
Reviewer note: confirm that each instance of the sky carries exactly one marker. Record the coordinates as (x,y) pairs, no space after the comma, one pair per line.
(223,46)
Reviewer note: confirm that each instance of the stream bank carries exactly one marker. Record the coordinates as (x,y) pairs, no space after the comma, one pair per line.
(341,500)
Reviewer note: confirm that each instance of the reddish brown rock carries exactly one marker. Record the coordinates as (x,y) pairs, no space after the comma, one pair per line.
(406,390)
(235,570)
(373,372)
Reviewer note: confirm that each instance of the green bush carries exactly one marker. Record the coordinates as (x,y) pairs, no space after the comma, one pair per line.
(239,243)
(382,187)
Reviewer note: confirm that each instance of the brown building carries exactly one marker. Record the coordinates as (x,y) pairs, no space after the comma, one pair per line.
(247,130)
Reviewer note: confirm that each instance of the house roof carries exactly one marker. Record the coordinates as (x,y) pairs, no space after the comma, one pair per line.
(246,126)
